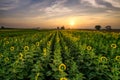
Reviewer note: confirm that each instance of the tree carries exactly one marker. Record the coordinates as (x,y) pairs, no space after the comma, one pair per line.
(57,27)
(63,27)
(108,27)
(2,27)
(97,27)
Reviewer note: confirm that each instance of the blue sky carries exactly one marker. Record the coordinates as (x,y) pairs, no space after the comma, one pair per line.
(52,13)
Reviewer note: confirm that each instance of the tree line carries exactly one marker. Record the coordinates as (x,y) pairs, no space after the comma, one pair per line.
(98,27)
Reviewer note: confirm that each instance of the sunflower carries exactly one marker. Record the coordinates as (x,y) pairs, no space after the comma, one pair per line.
(7,42)
(89,48)
(37,44)
(62,67)
(103,59)
(63,78)
(117,58)
(6,59)
(21,56)
(12,48)
(26,48)
(113,45)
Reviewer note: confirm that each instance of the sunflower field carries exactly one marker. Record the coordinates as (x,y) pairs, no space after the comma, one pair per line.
(59,55)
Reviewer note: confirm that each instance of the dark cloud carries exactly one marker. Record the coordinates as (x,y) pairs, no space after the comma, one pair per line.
(102,2)
(36,1)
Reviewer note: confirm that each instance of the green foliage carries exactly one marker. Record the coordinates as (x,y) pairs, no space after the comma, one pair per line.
(59,54)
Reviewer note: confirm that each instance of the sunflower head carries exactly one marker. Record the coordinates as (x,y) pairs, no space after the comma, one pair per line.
(37,44)
(12,48)
(103,59)
(117,58)
(20,56)
(6,59)
(26,48)
(63,78)
(7,42)
(62,67)
(89,48)
(113,45)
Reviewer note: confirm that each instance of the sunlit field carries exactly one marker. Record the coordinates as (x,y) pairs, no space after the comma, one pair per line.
(59,55)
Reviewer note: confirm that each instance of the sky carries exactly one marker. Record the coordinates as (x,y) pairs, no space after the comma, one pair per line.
(57,13)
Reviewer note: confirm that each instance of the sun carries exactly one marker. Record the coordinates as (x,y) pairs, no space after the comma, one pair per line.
(72,22)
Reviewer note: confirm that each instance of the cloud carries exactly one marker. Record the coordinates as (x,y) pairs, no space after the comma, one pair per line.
(21,8)
(8,4)
(114,3)
(113,13)
(12,4)
(57,8)
(91,3)
(33,8)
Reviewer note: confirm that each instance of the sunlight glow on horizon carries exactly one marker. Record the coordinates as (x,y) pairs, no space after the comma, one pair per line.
(72,22)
